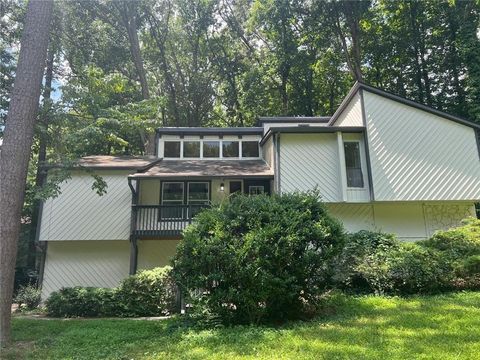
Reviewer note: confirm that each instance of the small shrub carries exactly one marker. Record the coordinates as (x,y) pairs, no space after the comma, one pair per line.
(147,293)
(81,301)
(356,257)
(259,258)
(28,297)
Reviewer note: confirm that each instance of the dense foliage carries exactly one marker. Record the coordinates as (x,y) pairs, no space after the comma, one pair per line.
(147,293)
(376,262)
(27,297)
(261,258)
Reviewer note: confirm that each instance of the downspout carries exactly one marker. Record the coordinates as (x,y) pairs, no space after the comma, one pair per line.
(276,144)
(133,221)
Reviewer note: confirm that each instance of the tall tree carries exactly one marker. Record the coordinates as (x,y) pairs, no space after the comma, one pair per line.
(17,141)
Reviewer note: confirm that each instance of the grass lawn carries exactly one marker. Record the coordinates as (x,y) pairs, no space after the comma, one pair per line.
(429,327)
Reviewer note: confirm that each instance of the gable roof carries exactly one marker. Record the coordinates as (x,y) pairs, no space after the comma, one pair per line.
(374,90)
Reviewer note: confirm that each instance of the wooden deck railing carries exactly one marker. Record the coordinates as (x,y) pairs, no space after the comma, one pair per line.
(163,220)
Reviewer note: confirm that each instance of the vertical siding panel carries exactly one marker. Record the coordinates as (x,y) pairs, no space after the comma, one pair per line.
(78,213)
(416,155)
(309,161)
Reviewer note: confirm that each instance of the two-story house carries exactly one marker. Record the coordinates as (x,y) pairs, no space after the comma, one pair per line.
(380,162)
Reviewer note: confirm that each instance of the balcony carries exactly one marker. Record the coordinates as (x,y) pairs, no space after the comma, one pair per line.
(163,221)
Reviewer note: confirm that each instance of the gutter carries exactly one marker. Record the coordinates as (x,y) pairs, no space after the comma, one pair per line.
(310,130)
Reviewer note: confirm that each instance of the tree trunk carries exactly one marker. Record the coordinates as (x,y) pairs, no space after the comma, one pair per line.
(17,141)
(130,22)
(42,153)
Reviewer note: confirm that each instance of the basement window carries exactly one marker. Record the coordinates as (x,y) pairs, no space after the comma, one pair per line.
(353,164)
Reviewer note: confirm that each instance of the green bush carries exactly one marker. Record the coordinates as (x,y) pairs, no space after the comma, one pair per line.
(28,297)
(406,269)
(81,301)
(258,258)
(457,243)
(147,293)
(356,257)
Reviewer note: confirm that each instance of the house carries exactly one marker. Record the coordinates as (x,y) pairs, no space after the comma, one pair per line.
(380,162)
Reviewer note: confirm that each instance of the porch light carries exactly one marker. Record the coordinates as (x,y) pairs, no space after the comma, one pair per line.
(222,187)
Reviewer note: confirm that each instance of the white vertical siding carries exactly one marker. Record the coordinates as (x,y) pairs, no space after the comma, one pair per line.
(352,115)
(416,155)
(85,263)
(308,161)
(78,213)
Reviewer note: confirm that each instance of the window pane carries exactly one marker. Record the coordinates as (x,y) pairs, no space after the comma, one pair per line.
(230,149)
(235,187)
(191,149)
(198,193)
(211,149)
(172,192)
(172,149)
(250,148)
(353,164)
(256,190)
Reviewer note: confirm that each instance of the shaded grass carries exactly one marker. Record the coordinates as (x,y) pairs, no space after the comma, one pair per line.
(427,327)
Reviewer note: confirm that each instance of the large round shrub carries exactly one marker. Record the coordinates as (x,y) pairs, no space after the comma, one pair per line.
(259,258)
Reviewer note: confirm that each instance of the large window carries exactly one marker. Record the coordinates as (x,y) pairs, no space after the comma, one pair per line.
(172,193)
(353,164)
(198,193)
(191,149)
(172,149)
(249,148)
(230,149)
(211,149)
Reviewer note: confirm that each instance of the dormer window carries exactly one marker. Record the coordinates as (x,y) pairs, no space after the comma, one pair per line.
(172,149)
(191,149)
(211,149)
(250,149)
(230,149)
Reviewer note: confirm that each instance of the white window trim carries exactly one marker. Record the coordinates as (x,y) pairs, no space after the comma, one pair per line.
(363,164)
(221,157)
